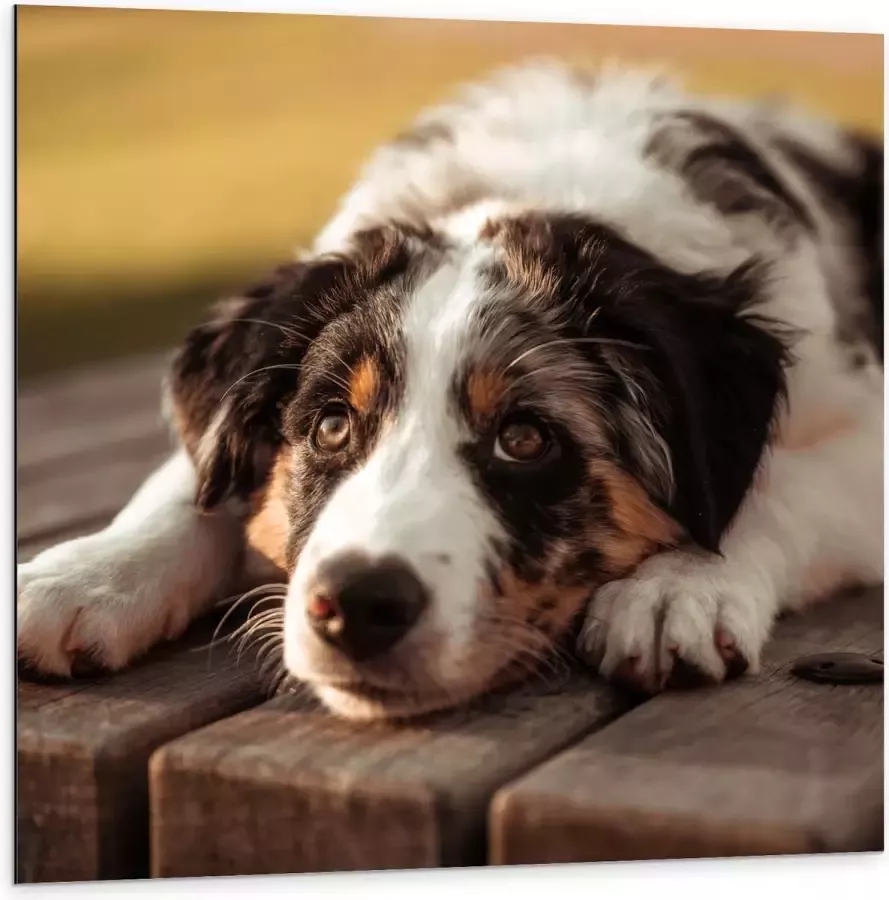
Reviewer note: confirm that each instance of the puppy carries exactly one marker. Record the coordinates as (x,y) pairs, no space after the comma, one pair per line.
(579,354)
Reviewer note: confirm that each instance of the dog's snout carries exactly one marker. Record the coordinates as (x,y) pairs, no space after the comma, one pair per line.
(364,607)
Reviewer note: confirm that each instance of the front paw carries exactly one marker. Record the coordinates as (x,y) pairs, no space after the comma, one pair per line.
(679,620)
(83,605)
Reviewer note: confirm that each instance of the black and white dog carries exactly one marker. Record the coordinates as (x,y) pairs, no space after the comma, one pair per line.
(579,354)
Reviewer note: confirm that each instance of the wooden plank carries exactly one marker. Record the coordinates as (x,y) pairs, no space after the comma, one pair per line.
(287,788)
(64,447)
(85,444)
(62,417)
(89,492)
(766,765)
(83,747)
(111,384)
(83,750)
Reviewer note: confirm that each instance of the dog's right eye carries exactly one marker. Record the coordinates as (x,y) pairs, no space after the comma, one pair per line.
(333,430)
(522,439)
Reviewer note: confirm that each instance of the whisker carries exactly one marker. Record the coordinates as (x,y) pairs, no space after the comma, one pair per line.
(558,370)
(253,618)
(256,638)
(531,640)
(259,619)
(258,626)
(287,330)
(257,372)
(238,603)
(582,340)
(256,590)
(215,638)
(271,661)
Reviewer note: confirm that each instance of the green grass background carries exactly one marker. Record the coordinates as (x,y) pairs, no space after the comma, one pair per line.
(164,157)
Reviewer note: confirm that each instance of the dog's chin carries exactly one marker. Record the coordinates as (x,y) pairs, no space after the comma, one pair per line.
(362,702)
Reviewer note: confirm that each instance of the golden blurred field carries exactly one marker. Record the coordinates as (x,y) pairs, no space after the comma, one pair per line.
(163,157)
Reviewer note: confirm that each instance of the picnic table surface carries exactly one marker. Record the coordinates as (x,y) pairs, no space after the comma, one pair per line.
(184,765)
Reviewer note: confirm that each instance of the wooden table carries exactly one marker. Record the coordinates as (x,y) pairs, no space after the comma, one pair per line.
(183,766)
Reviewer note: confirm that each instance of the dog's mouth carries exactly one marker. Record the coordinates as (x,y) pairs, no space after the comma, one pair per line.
(371,693)
(362,699)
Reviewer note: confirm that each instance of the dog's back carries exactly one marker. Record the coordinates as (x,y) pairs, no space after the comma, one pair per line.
(701,182)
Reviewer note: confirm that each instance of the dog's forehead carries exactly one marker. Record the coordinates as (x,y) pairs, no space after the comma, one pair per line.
(474,324)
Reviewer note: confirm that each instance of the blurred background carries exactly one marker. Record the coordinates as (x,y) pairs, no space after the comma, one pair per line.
(166,157)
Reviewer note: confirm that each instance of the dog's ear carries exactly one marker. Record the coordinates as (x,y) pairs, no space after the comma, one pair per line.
(718,378)
(696,376)
(232,377)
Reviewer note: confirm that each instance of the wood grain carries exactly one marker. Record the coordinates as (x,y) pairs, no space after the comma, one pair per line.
(61,418)
(767,765)
(95,490)
(286,788)
(84,445)
(83,750)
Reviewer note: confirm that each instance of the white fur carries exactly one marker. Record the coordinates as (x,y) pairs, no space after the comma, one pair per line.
(142,579)
(413,497)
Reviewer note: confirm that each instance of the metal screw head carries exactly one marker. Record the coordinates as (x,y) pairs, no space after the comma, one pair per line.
(840,668)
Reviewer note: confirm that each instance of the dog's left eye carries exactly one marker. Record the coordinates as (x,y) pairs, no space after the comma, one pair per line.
(521,440)
(333,430)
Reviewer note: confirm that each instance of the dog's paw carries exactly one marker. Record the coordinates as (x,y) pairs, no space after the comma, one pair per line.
(679,620)
(83,605)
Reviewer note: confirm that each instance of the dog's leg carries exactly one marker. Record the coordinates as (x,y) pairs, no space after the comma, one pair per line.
(112,595)
(812,523)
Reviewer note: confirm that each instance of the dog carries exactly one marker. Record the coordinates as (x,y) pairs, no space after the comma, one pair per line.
(581,357)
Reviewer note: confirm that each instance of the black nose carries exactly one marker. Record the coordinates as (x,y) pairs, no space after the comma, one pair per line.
(364,607)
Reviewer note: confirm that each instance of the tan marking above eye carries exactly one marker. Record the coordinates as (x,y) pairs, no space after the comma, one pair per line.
(484,390)
(364,384)
(333,431)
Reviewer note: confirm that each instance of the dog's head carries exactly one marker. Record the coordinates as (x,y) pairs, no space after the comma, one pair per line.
(461,442)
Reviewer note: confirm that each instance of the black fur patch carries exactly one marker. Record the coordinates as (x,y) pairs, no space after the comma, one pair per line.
(539,505)
(722,169)
(714,373)
(859,197)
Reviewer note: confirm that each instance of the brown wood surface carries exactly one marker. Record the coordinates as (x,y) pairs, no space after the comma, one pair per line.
(83,746)
(85,443)
(767,765)
(286,788)
(87,495)
(64,416)
(83,750)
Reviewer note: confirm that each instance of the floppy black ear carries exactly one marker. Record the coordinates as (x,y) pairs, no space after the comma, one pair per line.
(697,370)
(229,377)
(232,377)
(721,375)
